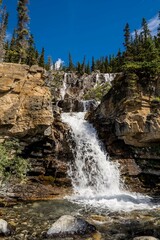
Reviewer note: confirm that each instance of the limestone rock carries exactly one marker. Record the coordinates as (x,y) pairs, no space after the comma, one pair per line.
(69,225)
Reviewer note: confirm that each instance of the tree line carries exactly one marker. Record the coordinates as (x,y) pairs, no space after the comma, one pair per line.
(141,49)
(141,54)
(21,48)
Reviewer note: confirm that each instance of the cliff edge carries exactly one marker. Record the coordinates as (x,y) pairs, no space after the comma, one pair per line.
(128,122)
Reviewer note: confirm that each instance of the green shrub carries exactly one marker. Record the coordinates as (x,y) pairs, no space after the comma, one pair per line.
(12,165)
(97,92)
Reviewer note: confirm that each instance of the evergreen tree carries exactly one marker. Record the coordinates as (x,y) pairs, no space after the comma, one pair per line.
(3,28)
(79,68)
(49,64)
(88,70)
(70,65)
(31,58)
(84,64)
(12,54)
(158,29)
(22,30)
(145,30)
(93,65)
(127,36)
(41,61)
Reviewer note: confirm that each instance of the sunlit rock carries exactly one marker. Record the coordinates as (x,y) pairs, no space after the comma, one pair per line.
(4,228)
(69,225)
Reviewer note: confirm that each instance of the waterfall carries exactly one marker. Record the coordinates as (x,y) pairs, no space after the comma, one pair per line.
(89,104)
(97,80)
(95,179)
(109,77)
(64,87)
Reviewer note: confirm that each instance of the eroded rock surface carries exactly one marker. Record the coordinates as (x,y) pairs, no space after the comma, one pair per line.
(27,115)
(128,122)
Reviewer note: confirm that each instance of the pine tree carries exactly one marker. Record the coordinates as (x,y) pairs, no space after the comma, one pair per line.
(12,50)
(70,65)
(41,61)
(88,70)
(31,58)
(93,65)
(158,29)
(84,64)
(49,64)
(3,28)
(145,30)
(127,36)
(79,68)
(22,30)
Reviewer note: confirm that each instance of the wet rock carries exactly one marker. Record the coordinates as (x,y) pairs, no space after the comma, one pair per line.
(69,225)
(145,238)
(5,228)
(128,122)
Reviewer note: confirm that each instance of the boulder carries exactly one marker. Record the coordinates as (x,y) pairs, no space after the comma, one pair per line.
(5,229)
(69,225)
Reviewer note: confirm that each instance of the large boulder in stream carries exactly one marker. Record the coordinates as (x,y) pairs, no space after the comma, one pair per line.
(69,225)
(128,122)
(5,228)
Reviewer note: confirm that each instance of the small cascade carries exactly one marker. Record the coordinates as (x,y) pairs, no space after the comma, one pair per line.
(109,77)
(97,80)
(64,88)
(95,179)
(89,105)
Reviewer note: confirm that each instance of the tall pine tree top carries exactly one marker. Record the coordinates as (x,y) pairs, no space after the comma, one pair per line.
(22,29)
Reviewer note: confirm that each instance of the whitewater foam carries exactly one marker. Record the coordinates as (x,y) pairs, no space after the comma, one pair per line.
(96,180)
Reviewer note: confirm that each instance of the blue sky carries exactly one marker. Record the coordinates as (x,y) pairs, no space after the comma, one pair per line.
(83,27)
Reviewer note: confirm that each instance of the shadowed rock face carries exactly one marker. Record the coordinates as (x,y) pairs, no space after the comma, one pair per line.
(128,122)
(27,114)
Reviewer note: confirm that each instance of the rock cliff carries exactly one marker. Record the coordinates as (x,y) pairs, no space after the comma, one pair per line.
(128,122)
(27,115)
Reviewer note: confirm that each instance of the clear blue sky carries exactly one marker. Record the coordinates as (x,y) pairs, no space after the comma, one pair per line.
(83,27)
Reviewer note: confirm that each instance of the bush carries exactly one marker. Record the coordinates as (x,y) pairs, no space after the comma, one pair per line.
(97,92)
(12,165)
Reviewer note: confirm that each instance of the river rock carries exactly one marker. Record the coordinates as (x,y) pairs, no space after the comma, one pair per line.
(69,225)
(4,228)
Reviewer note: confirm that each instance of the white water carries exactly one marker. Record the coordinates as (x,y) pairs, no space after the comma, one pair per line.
(109,77)
(95,179)
(64,87)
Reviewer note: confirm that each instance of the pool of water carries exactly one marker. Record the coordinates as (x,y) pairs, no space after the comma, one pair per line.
(32,220)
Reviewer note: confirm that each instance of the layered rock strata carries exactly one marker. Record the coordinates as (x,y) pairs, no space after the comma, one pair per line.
(27,115)
(128,122)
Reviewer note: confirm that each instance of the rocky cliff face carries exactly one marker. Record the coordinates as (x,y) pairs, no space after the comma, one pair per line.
(27,115)
(128,122)
(69,89)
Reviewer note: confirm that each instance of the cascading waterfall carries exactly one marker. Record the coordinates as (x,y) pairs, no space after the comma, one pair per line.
(90,176)
(95,179)
(63,89)
(109,77)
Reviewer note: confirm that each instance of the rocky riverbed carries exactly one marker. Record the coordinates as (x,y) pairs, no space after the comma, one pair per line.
(31,221)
